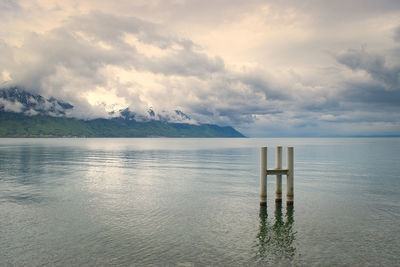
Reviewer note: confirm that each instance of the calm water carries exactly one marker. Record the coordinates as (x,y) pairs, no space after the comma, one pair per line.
(195,202)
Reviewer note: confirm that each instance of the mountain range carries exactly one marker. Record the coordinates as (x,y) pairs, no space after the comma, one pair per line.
(24,114)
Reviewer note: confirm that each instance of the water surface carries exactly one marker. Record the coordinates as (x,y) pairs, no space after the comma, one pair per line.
(196,202)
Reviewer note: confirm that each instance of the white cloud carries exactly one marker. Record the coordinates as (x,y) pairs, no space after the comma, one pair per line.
(251,64)
(10,106)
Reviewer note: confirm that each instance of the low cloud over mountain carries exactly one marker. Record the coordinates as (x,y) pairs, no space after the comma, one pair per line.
(267,68)
(18,100)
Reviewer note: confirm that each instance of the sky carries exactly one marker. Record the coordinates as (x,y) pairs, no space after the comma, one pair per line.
(267,68)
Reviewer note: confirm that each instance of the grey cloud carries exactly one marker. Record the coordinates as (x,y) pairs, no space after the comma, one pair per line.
(322,104)
(225,11)
(69,56)
(385,86)
(373,64)
(232,99)
(397,34)
(72,58)
(339,12)
(370,116)
(67,60)
(59,51)
(188,63)
(6,53)
(206,13)
(259,82)
(111,29)
(7,6)
(371,94)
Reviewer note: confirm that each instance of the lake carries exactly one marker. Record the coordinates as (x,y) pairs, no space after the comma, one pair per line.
(195,202)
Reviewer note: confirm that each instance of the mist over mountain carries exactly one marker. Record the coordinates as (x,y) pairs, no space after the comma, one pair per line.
(24,114)
(17,100)
(165,116)
(268,68)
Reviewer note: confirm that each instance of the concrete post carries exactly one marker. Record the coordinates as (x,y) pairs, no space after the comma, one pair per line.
(278,192)
(289,185)
(263,177)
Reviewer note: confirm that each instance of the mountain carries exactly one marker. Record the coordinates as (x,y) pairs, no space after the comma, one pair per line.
(23,114)
(165,116)
(16,100)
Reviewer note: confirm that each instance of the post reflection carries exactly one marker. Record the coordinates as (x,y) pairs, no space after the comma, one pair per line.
(275,239)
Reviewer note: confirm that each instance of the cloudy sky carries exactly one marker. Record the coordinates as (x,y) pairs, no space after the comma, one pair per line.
(268,68)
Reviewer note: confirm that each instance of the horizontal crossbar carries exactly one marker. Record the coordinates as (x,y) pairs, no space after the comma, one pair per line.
(277,171)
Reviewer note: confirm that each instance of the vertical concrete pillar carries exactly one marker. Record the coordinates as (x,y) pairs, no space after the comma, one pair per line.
(278,191)
(263,177)
(289,185)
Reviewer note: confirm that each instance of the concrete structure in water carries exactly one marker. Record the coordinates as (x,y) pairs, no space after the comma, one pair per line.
(278,171)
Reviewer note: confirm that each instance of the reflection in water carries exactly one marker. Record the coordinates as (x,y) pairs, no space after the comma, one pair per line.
(275,241)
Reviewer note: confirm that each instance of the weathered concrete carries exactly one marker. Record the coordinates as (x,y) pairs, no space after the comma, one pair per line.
(290,175)
(263,177)
(278,191)
(278,171)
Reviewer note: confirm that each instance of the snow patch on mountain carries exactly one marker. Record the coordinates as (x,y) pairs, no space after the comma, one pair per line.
(175,116)
(17,100)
